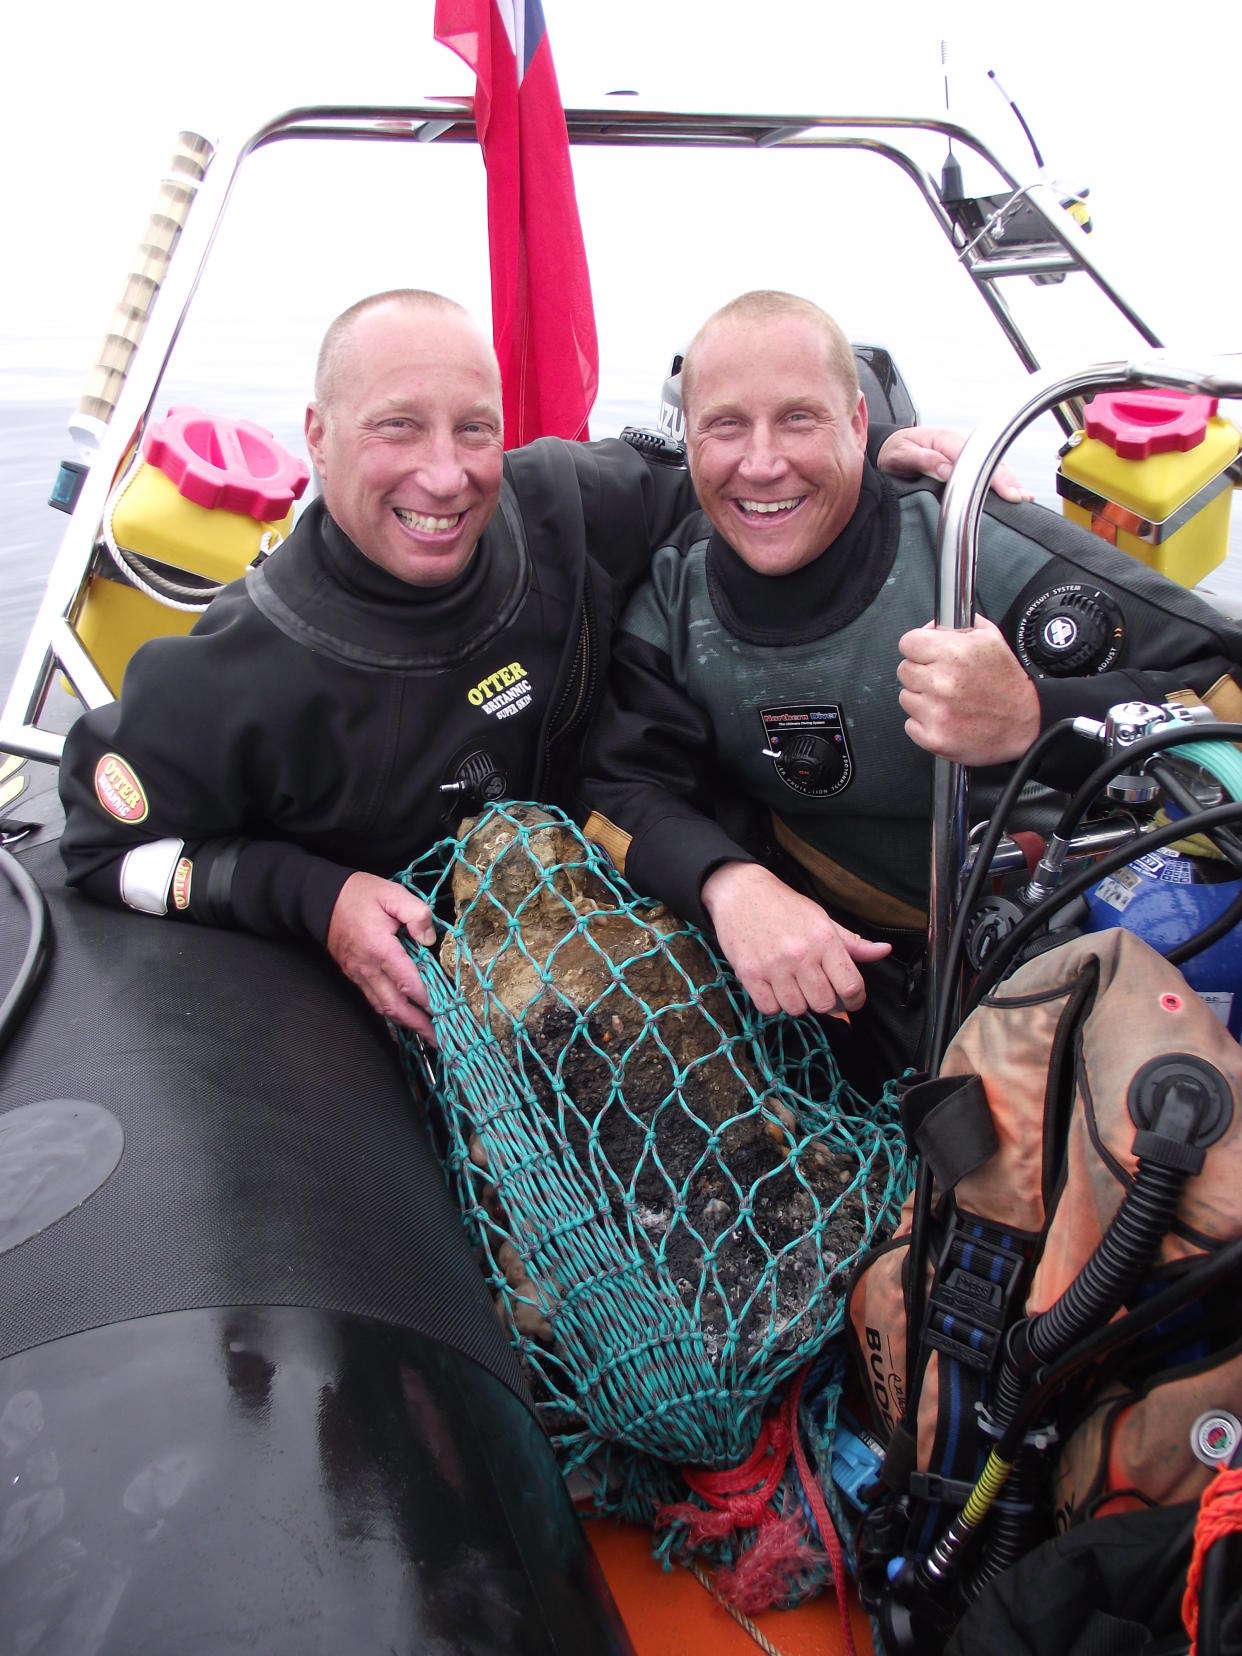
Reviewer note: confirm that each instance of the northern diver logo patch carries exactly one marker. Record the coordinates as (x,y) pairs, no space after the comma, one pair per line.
(502,693)
(808,747)
(182,875)
(119,791)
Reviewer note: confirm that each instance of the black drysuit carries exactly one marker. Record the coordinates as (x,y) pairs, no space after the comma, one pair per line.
(305,727)
(782,690)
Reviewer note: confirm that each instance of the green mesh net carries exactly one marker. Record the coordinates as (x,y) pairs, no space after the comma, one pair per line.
(667,1192)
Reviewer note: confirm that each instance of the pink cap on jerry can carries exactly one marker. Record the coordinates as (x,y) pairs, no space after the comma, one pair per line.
(232,465)
(1135,424)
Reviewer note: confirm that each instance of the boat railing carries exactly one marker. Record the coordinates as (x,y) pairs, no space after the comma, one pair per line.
(957,545)
(141,344)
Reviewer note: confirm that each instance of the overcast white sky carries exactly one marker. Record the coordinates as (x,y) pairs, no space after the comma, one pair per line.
(1143,111)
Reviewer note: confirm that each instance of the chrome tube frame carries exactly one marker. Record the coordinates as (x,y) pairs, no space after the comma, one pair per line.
(53,644)
(957,546)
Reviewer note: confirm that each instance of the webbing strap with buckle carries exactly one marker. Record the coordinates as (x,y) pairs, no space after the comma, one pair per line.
(979,1275)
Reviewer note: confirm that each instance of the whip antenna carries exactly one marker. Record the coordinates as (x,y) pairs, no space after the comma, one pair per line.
(1039,160)
(951,173)
(944,64)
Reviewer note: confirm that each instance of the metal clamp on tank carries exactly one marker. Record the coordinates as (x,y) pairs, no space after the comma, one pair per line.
(1126,723)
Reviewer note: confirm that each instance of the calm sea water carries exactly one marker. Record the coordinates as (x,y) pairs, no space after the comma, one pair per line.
(34,439)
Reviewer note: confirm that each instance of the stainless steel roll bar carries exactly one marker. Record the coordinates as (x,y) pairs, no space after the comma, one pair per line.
(957,548)
(53,644)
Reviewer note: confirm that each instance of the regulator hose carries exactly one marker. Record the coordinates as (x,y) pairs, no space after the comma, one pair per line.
(932,1575)
(1170,735)
(1179,1105)
(997,963)
(1021,774)
(1124,1252)
(1221,1267)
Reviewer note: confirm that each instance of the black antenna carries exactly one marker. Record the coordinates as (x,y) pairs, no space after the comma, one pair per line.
(1039,160)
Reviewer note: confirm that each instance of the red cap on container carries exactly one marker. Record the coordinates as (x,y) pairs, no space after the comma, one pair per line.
(229,464)
(1138,423)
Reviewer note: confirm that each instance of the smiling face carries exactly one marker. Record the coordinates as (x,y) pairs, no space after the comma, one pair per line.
(776,443)
(407,441)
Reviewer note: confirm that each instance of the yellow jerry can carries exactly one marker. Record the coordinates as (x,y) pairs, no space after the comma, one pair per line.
(207,498)
(1150,475)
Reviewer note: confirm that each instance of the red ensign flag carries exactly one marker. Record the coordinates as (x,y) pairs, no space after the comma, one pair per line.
(543,323)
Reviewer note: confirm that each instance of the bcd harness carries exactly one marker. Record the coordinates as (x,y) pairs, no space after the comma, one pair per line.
(1086,1148)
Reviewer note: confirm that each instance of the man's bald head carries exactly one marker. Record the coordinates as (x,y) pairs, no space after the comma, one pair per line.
(407,431)
(767,305)
(776,429)
(336,340)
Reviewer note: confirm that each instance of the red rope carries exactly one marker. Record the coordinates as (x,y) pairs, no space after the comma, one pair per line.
(823,1518)
(1220,1514)
(740,1498)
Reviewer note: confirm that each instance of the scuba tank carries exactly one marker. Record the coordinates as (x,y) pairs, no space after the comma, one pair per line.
(1167,895)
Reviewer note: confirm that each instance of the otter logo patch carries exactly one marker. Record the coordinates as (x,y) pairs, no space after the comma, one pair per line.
(119,791)
(182,875)
(502,693)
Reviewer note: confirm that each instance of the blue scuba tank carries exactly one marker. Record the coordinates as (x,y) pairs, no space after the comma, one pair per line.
(1166,898)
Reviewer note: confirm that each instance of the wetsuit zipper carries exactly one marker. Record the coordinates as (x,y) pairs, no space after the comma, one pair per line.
(580,685)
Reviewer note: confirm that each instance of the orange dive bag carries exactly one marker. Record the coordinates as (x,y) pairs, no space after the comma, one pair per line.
(1085,1139)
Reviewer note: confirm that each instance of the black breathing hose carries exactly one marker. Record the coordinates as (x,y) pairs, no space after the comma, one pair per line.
(1170,735)
(1220,1268)
(995,966)
(38,946)
(979,874)
(1123,1254)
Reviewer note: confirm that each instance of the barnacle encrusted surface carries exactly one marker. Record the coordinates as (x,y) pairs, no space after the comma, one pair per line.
(620,1023)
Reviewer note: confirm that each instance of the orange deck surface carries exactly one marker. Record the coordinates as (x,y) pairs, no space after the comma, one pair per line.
(673,1614)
